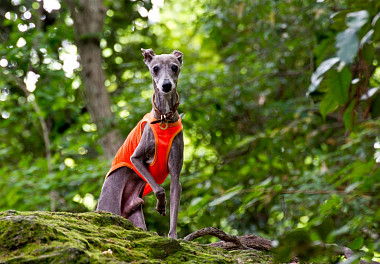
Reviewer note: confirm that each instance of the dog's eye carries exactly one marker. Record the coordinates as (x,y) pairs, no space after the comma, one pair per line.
(156,69)
(174,68)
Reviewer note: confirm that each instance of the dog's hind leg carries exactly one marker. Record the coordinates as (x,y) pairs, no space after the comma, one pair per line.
(132,194)
(137,218)
(110,199)
(132,202)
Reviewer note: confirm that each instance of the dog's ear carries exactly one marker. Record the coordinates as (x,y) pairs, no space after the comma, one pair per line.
(148,55)
(178,55)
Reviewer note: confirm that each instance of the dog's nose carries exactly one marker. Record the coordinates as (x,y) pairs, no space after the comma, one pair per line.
(166,86)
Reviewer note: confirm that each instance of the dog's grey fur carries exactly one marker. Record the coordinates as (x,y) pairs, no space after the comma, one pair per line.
(122,190)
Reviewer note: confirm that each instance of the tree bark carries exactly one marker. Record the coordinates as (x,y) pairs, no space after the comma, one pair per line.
(88,16)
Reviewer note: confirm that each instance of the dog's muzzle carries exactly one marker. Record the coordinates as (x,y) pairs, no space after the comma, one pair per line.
(166,86)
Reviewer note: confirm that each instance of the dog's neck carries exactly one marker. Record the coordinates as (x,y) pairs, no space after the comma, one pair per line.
(165,102)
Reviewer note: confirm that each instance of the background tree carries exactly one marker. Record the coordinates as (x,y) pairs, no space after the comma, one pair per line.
(88,19)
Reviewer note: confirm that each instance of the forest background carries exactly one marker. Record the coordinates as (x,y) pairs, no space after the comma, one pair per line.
(281,102)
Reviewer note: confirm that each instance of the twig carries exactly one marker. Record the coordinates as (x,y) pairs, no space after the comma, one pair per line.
(312,192)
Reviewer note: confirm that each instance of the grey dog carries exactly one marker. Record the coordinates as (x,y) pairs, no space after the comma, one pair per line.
(122,190)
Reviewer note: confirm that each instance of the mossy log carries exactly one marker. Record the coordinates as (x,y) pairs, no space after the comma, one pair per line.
(59,237)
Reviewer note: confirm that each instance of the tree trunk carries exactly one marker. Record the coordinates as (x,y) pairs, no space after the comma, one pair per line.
(88,16)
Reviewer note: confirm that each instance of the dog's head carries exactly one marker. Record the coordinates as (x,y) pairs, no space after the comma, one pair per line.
(164,69)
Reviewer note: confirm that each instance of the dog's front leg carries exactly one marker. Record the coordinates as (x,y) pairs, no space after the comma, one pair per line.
(139,161)
(175,166)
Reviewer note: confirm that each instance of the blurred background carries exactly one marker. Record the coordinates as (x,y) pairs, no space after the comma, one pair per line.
(281,103)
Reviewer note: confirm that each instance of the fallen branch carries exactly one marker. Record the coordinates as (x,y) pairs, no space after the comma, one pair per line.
(231,242)
(212,231)
(248,241)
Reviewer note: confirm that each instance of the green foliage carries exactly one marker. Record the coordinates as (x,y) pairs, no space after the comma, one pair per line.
(345,84)
(260,156)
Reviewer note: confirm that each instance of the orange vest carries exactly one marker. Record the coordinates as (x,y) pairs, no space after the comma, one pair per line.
(163,142)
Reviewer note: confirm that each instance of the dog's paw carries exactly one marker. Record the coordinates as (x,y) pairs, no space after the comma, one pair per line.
(161,210)
(172,235)
(161,203)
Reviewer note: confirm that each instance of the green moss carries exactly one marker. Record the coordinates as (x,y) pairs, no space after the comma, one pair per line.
(59,237)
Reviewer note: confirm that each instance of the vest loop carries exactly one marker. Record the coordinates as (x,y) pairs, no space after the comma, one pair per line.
(164,125)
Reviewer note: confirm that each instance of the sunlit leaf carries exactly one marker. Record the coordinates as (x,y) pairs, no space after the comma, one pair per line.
(367,38)
(357,19)
(316,78)
(347,43)
(231,193)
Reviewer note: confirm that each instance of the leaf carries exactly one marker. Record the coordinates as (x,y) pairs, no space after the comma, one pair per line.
(331,205)
(367,38)
(352,187)
(356,20)
(348,116)
(371,92)
(357,243)
(328,104)
(197,204)
(231,193)
(339,83)
(375,19)
(322,69)
(347,43)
